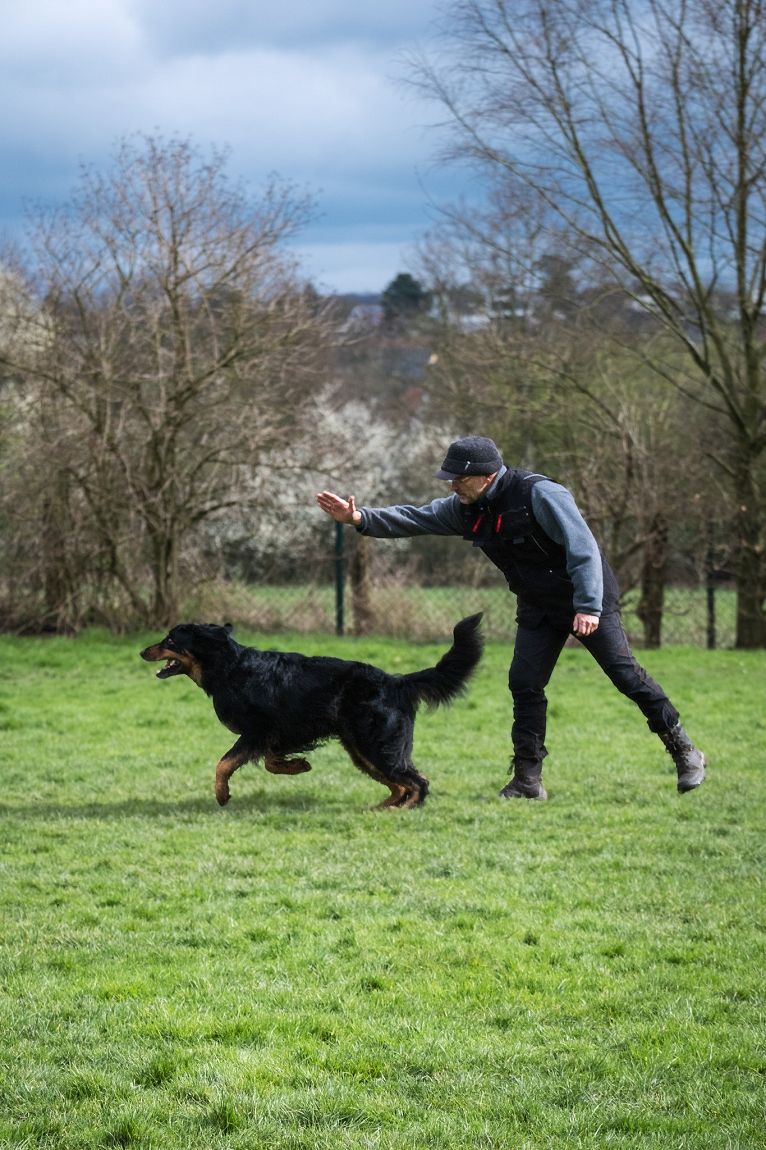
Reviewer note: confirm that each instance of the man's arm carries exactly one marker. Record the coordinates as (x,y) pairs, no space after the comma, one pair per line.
(560,517)
(441,517)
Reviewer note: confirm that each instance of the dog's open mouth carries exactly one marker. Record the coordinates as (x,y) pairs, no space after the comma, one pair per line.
(177,660)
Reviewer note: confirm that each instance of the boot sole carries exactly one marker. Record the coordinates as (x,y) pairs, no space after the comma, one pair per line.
(684,788)
(540,797)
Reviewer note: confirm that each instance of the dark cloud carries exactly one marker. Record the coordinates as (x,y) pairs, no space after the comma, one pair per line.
(189,26)
(301,88)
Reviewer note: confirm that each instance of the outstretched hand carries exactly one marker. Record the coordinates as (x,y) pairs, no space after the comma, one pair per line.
(341,510)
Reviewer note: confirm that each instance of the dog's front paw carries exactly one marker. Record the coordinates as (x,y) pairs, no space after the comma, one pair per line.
(222,793)
(286,766)
(298,766)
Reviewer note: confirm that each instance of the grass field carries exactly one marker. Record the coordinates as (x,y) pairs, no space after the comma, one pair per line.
(297,973)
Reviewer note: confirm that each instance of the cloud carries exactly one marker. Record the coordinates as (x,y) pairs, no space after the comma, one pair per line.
(178,27)
(291,111)
(299,88)
(49,45)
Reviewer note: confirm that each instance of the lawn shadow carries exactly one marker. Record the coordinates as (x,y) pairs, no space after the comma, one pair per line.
(260,800)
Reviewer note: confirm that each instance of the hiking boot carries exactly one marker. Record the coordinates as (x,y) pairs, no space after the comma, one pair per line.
(526,782)
(690,762)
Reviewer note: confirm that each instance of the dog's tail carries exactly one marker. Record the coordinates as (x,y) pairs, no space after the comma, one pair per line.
(442,683)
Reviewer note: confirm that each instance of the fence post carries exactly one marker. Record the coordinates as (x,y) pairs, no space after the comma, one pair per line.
(340,579)
(710,587)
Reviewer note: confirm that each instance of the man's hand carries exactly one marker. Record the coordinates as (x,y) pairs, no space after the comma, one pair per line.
(584,625)
(341,510)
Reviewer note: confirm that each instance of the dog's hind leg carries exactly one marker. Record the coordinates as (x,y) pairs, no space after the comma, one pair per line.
(398,793)
(408,788)
(417,788)
(386,757)
(276,765)
(231,761)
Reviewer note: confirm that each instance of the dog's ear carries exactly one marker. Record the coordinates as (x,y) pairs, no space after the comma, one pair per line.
(217,633)
(202,636)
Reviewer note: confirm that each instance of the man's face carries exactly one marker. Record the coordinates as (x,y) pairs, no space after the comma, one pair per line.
(469,488)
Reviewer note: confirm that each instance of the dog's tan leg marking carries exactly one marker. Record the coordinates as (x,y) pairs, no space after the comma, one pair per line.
(223,772)
(398,792)
(413,798)
(279,766)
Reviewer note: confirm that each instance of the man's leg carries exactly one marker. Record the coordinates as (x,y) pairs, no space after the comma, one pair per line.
(610,648)
(534,657)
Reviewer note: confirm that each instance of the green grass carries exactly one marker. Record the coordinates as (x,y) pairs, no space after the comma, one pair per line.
(297,973)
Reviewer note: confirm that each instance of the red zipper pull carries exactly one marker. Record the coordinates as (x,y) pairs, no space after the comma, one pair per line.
(477,524)
(498,521)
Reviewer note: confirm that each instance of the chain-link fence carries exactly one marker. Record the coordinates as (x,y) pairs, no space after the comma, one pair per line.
(357,586)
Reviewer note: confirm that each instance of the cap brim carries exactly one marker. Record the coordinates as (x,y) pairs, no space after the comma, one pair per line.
(446,474)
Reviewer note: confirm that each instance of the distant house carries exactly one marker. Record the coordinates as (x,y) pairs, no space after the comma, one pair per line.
(363,317)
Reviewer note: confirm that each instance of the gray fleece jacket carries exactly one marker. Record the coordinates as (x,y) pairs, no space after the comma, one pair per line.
(554,509)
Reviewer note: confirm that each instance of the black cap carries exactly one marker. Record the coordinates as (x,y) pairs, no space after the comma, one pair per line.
(472,455)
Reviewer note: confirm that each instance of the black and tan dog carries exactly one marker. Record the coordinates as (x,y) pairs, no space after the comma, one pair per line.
(284,704)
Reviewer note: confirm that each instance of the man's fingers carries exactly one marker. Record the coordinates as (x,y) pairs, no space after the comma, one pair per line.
(341,510)
(585,625)
(328,499)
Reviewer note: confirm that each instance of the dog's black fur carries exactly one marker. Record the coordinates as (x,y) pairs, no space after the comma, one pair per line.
(284,704)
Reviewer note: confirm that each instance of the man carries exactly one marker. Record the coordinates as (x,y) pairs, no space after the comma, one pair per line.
(532,529)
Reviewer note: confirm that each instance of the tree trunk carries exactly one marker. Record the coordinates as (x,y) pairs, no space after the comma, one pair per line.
(60,581)
(751,588)
(164,610)
(653,576)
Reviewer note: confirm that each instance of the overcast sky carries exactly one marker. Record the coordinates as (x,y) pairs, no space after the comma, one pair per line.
(308,89)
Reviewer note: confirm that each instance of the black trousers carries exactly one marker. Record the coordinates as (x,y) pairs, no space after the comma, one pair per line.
(535,655)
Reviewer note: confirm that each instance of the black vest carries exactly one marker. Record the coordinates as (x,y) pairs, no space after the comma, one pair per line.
(534,565)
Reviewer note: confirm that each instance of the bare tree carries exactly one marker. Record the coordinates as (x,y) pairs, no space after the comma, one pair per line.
(176,344)
(642,125)
(554,363)
(496,343)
